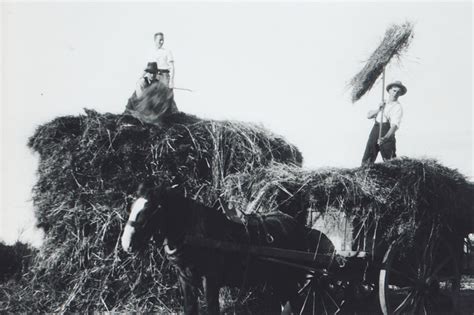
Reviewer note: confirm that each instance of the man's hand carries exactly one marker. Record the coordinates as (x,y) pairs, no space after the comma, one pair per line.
(373,113)
(381,140)
(171,85)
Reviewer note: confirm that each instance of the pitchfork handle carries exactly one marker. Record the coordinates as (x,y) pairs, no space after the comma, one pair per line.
(383,97)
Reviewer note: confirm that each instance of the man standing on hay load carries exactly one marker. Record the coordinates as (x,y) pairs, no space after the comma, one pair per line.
(165,61)
(392,112)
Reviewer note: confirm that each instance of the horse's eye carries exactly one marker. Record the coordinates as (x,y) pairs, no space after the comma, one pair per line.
(129,203)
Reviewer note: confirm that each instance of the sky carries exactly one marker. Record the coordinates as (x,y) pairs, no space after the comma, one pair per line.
(285,65)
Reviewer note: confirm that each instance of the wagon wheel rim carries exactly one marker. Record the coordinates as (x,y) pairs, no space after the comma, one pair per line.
(424,281)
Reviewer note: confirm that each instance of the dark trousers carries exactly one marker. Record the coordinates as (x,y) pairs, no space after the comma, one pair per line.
(387,149)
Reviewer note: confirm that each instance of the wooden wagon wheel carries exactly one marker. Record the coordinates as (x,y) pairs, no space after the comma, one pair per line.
(321,294)
(424,279)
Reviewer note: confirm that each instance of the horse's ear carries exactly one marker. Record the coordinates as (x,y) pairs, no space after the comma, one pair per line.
(144,188)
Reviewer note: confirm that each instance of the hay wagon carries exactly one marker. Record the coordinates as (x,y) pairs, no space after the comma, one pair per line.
(417,276)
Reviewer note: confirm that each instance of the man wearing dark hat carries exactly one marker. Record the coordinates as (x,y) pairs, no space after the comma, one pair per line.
(387,117)
(147,79)
(153,99)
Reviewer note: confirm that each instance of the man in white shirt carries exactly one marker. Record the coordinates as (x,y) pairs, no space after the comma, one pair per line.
(392,117)
(164,59)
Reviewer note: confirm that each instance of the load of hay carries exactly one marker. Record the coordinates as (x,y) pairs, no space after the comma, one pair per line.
(399,197)
(396,40)
(89,166)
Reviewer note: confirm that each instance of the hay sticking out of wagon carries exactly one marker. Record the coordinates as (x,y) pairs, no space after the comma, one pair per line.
(403,195)
(89,168)
(397,39)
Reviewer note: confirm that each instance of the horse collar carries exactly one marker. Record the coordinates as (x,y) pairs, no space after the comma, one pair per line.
(170,252)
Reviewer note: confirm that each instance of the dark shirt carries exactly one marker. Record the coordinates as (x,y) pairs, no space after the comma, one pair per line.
(156,102)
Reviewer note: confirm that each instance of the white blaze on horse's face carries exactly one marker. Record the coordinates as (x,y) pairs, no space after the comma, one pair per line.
(128,232)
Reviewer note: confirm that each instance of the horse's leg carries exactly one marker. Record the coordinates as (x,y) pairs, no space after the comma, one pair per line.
(286,309)
(211,289)
(191,306)
(287,292)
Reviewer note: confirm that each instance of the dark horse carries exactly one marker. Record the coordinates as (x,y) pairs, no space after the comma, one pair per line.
(169,216)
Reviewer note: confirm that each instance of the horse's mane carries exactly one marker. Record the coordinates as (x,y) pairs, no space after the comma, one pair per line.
(177,199)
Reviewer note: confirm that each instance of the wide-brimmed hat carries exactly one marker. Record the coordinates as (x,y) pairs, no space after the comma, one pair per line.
(403,88)
(152,67)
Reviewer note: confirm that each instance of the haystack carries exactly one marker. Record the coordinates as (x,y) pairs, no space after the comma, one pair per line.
(89,167)
(400,197)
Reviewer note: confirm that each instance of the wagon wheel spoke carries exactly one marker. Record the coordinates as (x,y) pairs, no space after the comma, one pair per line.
(405,288)
(422,306)
(305,286)
(305,301)
(309,277)
(332,300)
(324,305)
(423,262)
(404,304)
(441,265)
(403,275)
(416,304)
(424,310)
(432,249)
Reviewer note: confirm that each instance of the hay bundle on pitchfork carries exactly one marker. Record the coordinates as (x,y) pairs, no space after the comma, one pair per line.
(397,39)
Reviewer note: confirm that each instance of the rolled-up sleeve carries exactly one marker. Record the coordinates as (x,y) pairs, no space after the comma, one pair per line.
(396,115)
(169,56)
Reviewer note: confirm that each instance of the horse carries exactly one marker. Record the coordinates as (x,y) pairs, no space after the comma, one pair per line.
(169,216)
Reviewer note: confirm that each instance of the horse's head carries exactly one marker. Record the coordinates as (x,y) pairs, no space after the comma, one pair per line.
(145,220)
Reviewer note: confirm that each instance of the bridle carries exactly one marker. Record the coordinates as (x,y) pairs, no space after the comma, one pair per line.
(134,224)
(140,227)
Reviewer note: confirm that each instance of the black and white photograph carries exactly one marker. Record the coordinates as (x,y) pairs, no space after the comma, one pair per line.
(236,157)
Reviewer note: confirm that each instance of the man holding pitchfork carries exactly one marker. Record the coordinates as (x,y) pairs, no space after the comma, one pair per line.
(387,117)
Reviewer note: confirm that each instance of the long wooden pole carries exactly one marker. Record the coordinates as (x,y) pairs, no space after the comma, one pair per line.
(320,259)
(182,89)
(383,100)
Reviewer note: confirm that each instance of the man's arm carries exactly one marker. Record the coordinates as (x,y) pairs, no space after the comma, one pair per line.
(395,120)
(171,85)
(390,132)
(141,84)
(373,113)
